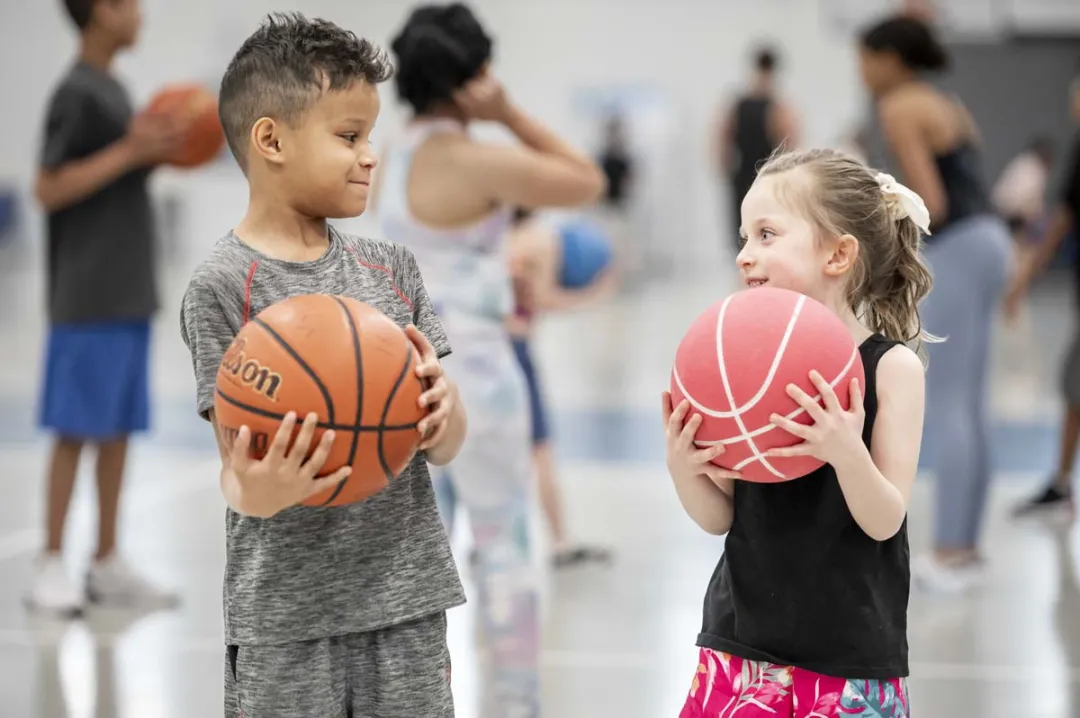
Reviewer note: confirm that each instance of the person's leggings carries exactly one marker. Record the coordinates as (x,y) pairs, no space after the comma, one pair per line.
(491,479)
(969,261)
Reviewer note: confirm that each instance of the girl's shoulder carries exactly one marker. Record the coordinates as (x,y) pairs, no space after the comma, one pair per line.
(900,371)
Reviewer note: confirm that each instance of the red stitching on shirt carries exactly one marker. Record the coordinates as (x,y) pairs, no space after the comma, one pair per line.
(388,273)
(247,291)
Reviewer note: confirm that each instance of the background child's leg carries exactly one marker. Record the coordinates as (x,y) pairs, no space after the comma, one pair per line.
(52,590)
(63,468)
(115,358)
(550,500)
(565,551)
(128,413)
(111,458)
(66,406)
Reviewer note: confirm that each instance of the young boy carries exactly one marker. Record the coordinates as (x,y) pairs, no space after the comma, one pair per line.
(340,611)
(92,183)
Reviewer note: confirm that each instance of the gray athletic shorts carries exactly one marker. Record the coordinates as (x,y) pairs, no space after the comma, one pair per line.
(399,672)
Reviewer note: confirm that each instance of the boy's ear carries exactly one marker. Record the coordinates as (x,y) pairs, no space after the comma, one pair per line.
(266,140)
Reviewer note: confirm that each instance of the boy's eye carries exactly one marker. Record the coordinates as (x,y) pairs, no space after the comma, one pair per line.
(349,136)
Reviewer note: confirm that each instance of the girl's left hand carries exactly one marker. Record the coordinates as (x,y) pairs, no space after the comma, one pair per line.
(834,432)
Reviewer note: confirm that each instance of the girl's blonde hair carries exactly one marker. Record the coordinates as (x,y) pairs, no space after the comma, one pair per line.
(844,197)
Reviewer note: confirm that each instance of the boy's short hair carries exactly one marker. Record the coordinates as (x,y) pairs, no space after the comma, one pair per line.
(80,11)
(283,67)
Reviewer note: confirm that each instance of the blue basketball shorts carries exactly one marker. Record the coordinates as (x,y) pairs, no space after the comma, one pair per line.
(96,381)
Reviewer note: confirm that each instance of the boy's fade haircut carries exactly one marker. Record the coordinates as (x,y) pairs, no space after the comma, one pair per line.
(283,68)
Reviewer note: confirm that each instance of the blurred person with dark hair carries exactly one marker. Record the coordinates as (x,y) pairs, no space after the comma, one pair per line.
(935,144)
(449,197)
(751,129)
(1058,492)
(617,164)
(92,183)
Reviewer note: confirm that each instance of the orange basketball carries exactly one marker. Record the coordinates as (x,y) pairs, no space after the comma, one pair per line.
(205,138)
(340,358)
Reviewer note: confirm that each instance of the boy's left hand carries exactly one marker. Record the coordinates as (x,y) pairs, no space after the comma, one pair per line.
(834,432)
(438,395)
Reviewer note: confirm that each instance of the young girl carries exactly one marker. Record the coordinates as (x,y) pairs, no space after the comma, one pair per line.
(806,613)
(935,147)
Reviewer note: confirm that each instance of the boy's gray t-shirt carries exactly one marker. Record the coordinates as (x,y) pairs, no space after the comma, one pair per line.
(310,573)
(100,249)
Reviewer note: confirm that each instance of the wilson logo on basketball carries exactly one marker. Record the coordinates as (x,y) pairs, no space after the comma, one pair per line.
(260,440)
(250,372)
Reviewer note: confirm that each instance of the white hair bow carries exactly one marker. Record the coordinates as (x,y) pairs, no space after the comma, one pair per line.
(911,204)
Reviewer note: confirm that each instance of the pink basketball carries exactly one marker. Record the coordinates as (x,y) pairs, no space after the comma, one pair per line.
(735,363)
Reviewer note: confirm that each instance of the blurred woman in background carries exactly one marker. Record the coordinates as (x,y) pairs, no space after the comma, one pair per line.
(935,146)
(449,198)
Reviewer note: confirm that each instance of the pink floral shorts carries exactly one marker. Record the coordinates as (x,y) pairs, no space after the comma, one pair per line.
(727,686)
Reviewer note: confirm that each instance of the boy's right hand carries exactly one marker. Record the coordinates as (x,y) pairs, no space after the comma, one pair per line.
(684,459)
(154,136)
(282,478)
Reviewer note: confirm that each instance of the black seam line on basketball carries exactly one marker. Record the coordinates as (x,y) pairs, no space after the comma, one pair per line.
(303,365)
(320,425)
(389,401)
(359,398)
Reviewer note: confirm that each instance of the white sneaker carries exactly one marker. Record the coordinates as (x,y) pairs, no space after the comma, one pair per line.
(113,581)
(52,591)
(935,576)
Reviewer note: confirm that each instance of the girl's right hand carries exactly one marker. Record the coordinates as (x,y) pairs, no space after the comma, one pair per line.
(684,459)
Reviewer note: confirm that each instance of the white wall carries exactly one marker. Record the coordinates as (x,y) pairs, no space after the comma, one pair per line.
(696,49)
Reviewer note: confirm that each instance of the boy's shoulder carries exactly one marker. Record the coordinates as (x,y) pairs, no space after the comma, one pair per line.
(225,266)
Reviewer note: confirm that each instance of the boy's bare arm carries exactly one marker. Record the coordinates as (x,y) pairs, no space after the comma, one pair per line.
(150,140)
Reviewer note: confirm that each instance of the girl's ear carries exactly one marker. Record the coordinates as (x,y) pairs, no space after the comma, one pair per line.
(845,252)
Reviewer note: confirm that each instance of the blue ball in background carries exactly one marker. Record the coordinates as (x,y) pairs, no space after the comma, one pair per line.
(586,252)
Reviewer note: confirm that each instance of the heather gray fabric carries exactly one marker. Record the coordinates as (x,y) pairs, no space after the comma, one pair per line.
(313,573)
